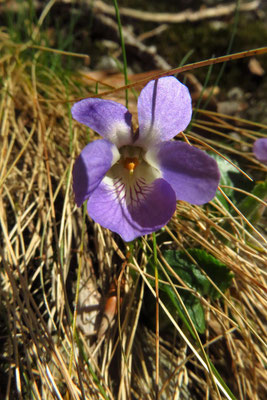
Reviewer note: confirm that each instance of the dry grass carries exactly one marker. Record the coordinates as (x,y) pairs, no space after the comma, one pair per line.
(57,267)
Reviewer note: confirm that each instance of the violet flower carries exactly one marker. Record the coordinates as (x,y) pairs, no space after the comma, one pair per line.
(133,180)
(260,150)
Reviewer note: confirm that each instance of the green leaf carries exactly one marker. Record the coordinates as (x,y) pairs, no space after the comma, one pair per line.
(192,275)
(196,312)
(215,269)
(252,208)
(193,306)
(195,279)
(169,297)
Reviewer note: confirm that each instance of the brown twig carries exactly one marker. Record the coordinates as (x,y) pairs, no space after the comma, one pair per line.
(175,18)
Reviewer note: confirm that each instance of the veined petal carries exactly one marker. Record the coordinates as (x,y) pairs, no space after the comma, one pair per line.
(91,166)
(260,150)
(164,110)
(110,119)
(132,211)
(193,175)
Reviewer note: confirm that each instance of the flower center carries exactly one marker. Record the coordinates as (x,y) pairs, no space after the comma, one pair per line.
(130,177)
(130,163)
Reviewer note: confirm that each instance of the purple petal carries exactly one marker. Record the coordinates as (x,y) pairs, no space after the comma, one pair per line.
(91,166)
(260,150)
(152,209)
(193,175)
(164,110)
(110,119)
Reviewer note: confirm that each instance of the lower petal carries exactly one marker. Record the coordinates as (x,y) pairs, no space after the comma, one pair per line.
(193,175)
(91,166)
(150,207)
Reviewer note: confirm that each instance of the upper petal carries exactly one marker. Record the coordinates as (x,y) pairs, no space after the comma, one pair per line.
(164,110)
(110,119)
(260,150)
(193,175)
(150,207)
(91,166)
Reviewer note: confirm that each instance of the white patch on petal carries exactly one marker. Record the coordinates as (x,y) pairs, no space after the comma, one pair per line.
(115,155)
(151,157)
(120,134)
(150,137)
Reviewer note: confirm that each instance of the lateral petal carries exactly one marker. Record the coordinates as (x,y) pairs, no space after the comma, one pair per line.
(193,174)
(91,166)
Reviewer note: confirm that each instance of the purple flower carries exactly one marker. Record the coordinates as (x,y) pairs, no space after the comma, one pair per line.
(133,180)
(260,150)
